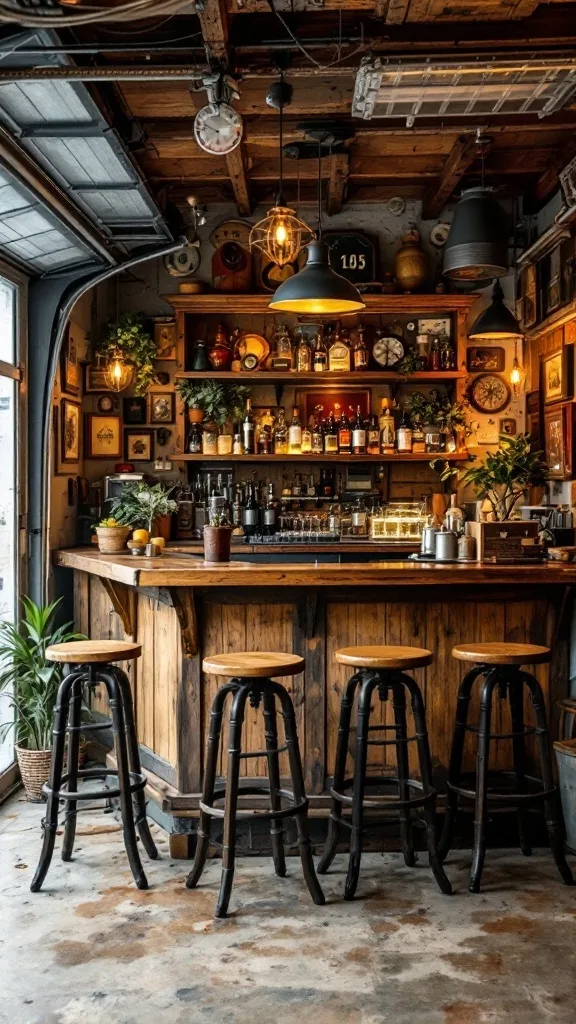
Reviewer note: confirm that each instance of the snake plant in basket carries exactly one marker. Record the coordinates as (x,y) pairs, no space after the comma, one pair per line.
(30,684)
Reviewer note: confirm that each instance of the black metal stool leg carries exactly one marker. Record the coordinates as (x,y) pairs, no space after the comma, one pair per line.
(551,802)
(74,720)
(356,836)
(231,804)
(516,699)
(108,677)
(50,822)
(299,792)
(334,826)
(406,837)
(425,760)
(271,732)
(138,798)
(456,756)
(482,759)
(211,767)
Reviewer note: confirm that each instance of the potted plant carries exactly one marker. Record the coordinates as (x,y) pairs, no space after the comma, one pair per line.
(31,683)
(143,506)
(190,391)
(504,476)
(112,535)
(128,336)
(217,538)
(219,405)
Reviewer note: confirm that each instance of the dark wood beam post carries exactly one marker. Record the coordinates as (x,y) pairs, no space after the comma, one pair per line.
(238,173)
(339,166)
(214,24)
(397,11)
(549,180)
(462,155)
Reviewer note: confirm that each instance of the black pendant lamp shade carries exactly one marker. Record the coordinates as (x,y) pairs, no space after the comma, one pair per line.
(317,288)
(477,244)
(497,322)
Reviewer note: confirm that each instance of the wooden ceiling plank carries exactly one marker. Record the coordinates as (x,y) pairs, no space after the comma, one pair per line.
(397,11)
(549,180)
(214,24)
(462,155)
(236,164)
(339,167)
(523,9)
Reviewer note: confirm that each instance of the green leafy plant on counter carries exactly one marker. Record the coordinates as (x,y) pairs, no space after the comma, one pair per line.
(138,505)
(128,335)
(28,680)
(218,519)
(222,403)
(504,476)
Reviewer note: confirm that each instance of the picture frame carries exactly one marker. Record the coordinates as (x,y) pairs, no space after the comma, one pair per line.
(481,358)
(74,338)
(70,432)
(134,411)
(332,400)
(555,443)
(507,425)
(162,407)
(165,337)
(553,296)
(438,327)
(139,445)
(103,436)
(556,375)
(94,380)
(529,295)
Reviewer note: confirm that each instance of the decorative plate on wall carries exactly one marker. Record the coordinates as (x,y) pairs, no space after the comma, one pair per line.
(489,393)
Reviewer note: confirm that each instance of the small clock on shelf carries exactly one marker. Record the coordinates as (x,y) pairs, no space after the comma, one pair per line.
(489,393)
(387,351)
(352,254)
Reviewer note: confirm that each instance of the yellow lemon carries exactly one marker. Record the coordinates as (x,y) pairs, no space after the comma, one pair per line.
(158,541)
(140,537)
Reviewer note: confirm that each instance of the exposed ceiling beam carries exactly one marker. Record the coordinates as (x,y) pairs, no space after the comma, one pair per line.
(548,180)
(236,165)
(523,9)
(462,155)
(397,11)
(339,166)
(214,24)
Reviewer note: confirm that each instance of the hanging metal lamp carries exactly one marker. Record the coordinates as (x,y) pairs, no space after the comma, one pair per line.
(280,235)
(317,288)
(496,322)
(477,244)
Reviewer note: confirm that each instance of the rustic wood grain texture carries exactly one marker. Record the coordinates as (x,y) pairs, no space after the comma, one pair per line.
(124,602)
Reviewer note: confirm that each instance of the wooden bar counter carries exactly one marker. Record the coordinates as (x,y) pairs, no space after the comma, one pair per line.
(181,608)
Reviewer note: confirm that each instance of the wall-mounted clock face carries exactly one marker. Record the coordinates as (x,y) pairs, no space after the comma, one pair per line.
(489,393)
(218,128)
(387,351)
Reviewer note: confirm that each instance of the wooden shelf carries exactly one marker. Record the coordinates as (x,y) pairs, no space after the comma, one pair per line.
(425,457)
(220,304)
(328,377)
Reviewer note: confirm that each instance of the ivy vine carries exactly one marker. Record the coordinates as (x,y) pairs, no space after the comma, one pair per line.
(128,335)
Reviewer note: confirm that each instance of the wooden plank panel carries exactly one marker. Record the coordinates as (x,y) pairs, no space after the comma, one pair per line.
(340,632)
(146,692)
(406,627)
(167,648)
(447,623)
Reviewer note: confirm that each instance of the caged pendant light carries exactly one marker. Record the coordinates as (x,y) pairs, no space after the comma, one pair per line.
(118,373)
(318,289)
(280,235)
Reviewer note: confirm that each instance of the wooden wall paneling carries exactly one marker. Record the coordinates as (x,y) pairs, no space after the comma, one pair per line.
(340,632)
(372,625)
(167,667)
(446,625)
(146,691)
(526,622)
(309,641)
(406,626)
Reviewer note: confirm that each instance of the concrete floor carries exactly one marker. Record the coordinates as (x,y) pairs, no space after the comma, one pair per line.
(92,949)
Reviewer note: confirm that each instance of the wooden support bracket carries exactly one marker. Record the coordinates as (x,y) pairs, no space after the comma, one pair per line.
(185,608)
(124,603)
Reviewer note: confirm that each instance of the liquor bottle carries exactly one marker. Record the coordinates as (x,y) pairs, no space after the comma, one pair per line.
(384,411)
(339,351)
(270,513)
(404,436)
(455,518)
(311,487)
(344,435)
(326,488)
(237,507)
(434,357)
(295,433)
(330,436)
(280,433)
(359,519)
(250,511)
(320,356)
(447,360)
(195,439)
(303,355)
(422,344)
(358,435)
(317,436)
(297,486)
(373,437)
(418,439)
(360,350)
(306,446)
(265,440)
(387,433)
(237,446)
(248,429)
(283,359)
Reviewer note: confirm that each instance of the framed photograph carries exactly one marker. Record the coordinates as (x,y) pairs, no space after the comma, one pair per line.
(556,375)
(94,379)
(165,338)
(480,358)
(322,401)
(139,445)
(555,442)
(134,411)
(553,297)
(507,425)
(106,403)
(162,407)
(70,418)
(69,365)
(103,435)
(529,295)
(439,327)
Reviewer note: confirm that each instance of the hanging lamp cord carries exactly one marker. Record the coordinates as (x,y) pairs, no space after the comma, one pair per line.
(319,190)
(281,188)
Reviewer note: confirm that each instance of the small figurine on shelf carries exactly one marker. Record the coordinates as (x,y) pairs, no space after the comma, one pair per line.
(220,351)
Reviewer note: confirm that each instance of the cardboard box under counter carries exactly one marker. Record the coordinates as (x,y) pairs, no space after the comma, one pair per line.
(510,539)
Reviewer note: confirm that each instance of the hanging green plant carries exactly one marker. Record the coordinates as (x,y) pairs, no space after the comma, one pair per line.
(128,335)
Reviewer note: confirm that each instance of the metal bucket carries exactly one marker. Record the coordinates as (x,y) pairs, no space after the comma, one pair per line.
(566,761)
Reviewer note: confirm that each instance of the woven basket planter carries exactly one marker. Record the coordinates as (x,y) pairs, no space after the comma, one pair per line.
(112,539)
(35,769)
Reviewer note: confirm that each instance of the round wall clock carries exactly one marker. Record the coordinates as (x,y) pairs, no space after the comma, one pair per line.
(218,128)
(387,351)
(184,261)
(489,393)
(231,231)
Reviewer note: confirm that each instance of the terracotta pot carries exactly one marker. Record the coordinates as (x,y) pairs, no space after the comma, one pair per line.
(195,415)
(411,263)
(217,540)
(34,768)
(162,527)
(112,539)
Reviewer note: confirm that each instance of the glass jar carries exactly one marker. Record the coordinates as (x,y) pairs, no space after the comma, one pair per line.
(433,438)
(224,444)
(210,440)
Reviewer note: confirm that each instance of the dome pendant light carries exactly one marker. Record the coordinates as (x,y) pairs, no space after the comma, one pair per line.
(497,322)
(317,289)
(280,235)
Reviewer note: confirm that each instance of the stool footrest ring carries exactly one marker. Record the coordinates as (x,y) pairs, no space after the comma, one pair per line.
(138,781)
(384,802)
(255,815)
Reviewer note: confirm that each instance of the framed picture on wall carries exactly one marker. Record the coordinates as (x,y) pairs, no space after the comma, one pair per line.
(323,401)
(69,365)
(134,411)
(103,436)
(558,440)
(94,379)
(162,407)
(556,370)
(480,358)
(70,425)
(165,338)
(139,445)
(529,295)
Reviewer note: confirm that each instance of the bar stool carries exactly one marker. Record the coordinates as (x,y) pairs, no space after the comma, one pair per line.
(500,666)
(382,669)
(249,674)
(87,663)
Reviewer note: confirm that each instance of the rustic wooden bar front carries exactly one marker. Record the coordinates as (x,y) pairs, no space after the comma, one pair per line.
(181,609)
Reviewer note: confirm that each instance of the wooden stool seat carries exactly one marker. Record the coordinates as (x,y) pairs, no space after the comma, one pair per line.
(502,654)
(91,652)
(253,664)
(380,656)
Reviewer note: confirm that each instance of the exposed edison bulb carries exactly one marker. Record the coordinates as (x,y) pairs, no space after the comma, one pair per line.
(281,233)
(118,372)
(515,375)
